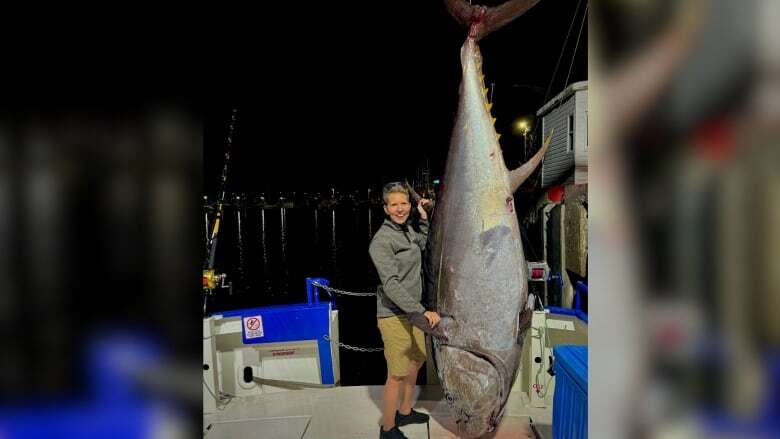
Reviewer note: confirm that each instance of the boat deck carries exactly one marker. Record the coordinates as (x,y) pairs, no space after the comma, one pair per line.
(355,413)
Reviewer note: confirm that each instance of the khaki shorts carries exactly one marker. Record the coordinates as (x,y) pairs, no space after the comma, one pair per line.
(403,343)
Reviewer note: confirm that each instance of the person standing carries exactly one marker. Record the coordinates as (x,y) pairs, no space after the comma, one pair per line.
(396,251)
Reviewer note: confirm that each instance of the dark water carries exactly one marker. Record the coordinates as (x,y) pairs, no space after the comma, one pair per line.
(268,254)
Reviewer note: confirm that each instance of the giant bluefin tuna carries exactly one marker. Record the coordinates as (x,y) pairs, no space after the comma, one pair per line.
(476,264)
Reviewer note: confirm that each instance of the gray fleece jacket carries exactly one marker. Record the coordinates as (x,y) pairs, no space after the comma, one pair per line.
(397,255)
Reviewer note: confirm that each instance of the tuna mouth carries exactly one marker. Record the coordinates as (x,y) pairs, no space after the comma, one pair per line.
(495,418)
(470,427)
(464,418)
(473,389)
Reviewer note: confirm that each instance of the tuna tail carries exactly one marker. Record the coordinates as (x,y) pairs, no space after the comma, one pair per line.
(521,173)
(483,20)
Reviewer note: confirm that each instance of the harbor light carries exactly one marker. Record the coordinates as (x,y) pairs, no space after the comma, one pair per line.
(521,127)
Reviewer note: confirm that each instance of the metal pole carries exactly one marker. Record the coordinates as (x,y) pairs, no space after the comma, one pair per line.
(223,188)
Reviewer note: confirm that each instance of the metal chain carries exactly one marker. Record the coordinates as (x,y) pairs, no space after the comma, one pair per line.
(337,291)
(355,348)
(330,290)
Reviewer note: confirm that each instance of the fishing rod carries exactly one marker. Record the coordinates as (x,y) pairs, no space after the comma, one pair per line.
(210,278)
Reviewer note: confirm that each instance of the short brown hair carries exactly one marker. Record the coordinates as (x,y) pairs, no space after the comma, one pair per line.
(395,186)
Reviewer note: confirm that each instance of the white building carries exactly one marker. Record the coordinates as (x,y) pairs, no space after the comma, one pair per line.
(567,113)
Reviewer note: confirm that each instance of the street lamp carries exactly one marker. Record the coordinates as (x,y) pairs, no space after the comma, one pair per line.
(522,126)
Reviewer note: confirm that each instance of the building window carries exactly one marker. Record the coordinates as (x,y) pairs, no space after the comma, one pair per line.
(544,134)
(570,139)
(587,138)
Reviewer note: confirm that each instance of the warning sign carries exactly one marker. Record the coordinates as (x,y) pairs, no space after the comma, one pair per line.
(253,327)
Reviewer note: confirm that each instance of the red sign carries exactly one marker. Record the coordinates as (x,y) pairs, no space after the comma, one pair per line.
(252,324)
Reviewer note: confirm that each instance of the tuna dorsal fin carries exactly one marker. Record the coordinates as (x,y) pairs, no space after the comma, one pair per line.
(494,17)
(521,173)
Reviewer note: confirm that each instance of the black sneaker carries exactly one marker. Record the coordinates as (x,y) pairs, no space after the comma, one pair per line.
(414,417)
(393,433)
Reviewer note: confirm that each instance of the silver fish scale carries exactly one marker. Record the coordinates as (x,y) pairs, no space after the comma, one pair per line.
(477,262)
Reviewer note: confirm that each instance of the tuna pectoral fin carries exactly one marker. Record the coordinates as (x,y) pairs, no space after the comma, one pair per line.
(519,175)
(441,331)
(419,320)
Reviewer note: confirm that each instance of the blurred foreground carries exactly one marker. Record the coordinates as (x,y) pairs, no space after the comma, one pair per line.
(683,221)
(99,231)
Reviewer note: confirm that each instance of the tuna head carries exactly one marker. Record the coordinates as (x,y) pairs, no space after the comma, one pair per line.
(473,390)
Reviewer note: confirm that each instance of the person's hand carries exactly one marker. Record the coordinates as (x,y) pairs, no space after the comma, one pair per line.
(433,318)
(420,204)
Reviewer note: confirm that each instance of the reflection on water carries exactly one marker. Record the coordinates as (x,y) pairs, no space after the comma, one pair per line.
(268,253)
(283,265)
(266,279)
(370,225)
(334,251)
(241,267)
(316,228)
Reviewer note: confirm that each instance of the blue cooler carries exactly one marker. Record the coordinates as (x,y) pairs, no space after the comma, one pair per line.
(570,402)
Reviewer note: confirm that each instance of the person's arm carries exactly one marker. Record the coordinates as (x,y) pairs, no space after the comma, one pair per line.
(387,268)
(424,223)
(422,238)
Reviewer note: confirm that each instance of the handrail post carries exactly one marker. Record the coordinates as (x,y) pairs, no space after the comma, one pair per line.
(309,287)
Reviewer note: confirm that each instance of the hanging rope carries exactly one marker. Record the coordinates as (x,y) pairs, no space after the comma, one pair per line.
(574,54)
(560,57)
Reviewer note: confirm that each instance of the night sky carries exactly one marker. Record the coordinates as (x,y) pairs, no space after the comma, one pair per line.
(349,96)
